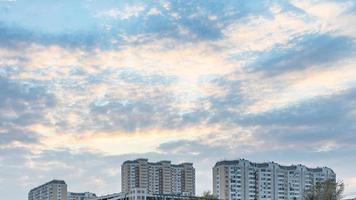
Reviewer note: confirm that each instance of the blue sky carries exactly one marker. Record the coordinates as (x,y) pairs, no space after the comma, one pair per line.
(85,85)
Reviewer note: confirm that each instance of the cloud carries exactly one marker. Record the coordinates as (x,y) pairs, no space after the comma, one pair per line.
(192,148)
(320,124)
(17,37)
(324,110)
(12,135)
(135,77)
(195,19)
(153,11)
(132,115)
(23,102)
(330,15)
(108,20)
(126,13)
(303,52)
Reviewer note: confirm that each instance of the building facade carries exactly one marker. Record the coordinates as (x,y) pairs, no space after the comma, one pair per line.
(81,196)
(245,180)
(158,178)
(53,190)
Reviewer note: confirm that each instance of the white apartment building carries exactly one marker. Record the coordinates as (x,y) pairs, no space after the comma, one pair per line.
(245,180)
(53,190)
(158,178)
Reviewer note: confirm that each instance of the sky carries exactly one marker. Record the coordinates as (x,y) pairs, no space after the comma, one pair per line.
(88,84)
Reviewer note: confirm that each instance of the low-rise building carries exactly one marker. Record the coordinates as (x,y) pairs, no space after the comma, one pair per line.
(142,194)
(81,196)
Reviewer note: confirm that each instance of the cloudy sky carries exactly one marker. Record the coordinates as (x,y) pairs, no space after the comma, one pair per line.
(85,85)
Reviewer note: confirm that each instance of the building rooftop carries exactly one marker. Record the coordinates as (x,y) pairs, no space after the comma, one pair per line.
(54,181)
(266,164)
(156,163)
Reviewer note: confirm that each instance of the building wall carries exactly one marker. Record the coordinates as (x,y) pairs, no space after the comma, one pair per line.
(166,177)
(244,180)
(125,182)
(177,179)
(142,168)
(158,178)
(154,180)
(220,182)
(188,178)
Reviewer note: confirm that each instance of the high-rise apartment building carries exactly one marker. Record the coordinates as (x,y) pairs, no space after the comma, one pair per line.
(245,180)
(158,178)
(53,190)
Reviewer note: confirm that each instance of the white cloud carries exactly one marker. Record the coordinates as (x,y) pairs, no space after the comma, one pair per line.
(126,13)
(330,16)
(153,11)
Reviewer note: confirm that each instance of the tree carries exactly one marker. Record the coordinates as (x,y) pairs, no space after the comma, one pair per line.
(208,195)
(327,190)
